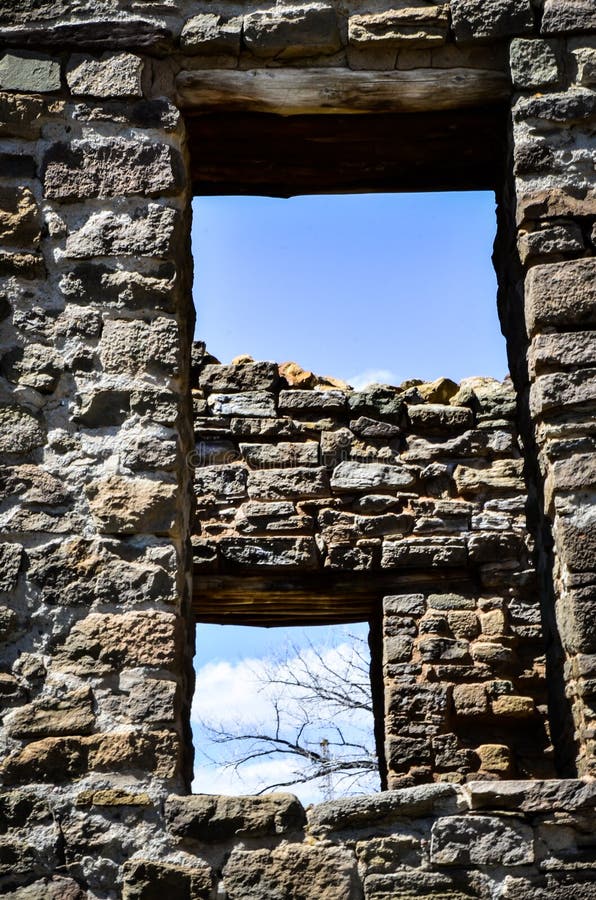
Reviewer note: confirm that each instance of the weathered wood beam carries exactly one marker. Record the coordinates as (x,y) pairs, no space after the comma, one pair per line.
(308,598)
(291,92)
(281,156)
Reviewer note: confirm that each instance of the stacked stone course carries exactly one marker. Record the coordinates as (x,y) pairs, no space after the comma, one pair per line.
(96,437)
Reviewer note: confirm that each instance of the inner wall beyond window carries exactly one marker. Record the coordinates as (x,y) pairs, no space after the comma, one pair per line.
(285,709)
(364,287)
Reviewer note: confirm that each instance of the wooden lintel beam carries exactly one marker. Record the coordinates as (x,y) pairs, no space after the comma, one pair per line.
(310,598)
(291,92)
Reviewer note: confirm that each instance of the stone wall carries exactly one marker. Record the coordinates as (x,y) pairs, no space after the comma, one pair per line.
(97,100)
(299,474)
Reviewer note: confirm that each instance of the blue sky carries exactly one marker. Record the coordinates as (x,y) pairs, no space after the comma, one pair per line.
(362,287)
(399,285)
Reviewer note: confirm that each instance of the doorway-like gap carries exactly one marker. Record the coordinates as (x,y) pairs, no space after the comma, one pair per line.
(287,708)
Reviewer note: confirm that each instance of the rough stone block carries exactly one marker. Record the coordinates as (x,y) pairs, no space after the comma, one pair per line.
(22,265)
(223,481)
(514,707)
(551,393)
(411,27)
(288,484)
(299,871)
(204,817)
(284,453)
(272,553)
(404,605)
(439,417)
(114,168)
(378,402)
(250,404)
(21,116)
(29,73)
(137,347)
(212,34)
(149,231)
(565,16)
(20,430)
(484,19)
(149,880)
(362,477)
(11,556)
(534,63)
(19,217)
(122,505)
(309,401)
(103,643)
(470,699)
(502,475)
(413,552)
(92,283)
(250,376)
(112,75)
(550,240)
(290,32)
(575,540)
(481,840)
(54,716)
(585,58)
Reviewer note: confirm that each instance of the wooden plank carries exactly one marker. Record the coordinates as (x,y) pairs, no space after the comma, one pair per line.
(308,598)
(316,91)
(256,153)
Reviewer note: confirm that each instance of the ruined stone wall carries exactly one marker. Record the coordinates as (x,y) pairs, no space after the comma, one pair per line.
(96,500)
(297,474)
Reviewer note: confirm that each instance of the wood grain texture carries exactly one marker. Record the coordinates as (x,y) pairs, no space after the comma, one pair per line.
(281,156)
(319,598)
(323,91)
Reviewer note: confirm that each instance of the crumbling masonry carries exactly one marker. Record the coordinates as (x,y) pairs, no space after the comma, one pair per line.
(145,487)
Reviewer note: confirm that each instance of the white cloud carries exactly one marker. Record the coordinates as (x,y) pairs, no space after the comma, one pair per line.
(372,376)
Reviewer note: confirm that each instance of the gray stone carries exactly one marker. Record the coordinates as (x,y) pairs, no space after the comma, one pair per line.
(112,75)
(550,240)
(378,401)
(439,418)
(551,393)
(585,57)
(568,106)
(565,795)
(20,430)
(149,231)
(204,817)
(29,72)
(564,16)
(273,456)
(250,404)
(404,605)
(356,476)
(10,563)
(483,19)
(211,34)
(534,63)
(254,376)
(292,31)
(431,551)
(138,347)
(223,481)
(272,553)
(481,840)
(113,168)
(372,428)
(288,484)
(388,806)
(308,401)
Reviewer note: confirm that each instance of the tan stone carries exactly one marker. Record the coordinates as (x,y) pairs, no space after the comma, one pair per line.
(470,699)
(501,475)
(112,797)
(154,752)
(19,217)
(101,643)
(463,624)
(494,757)
(493,622)
(513,706)
(131,505)
(439,391)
